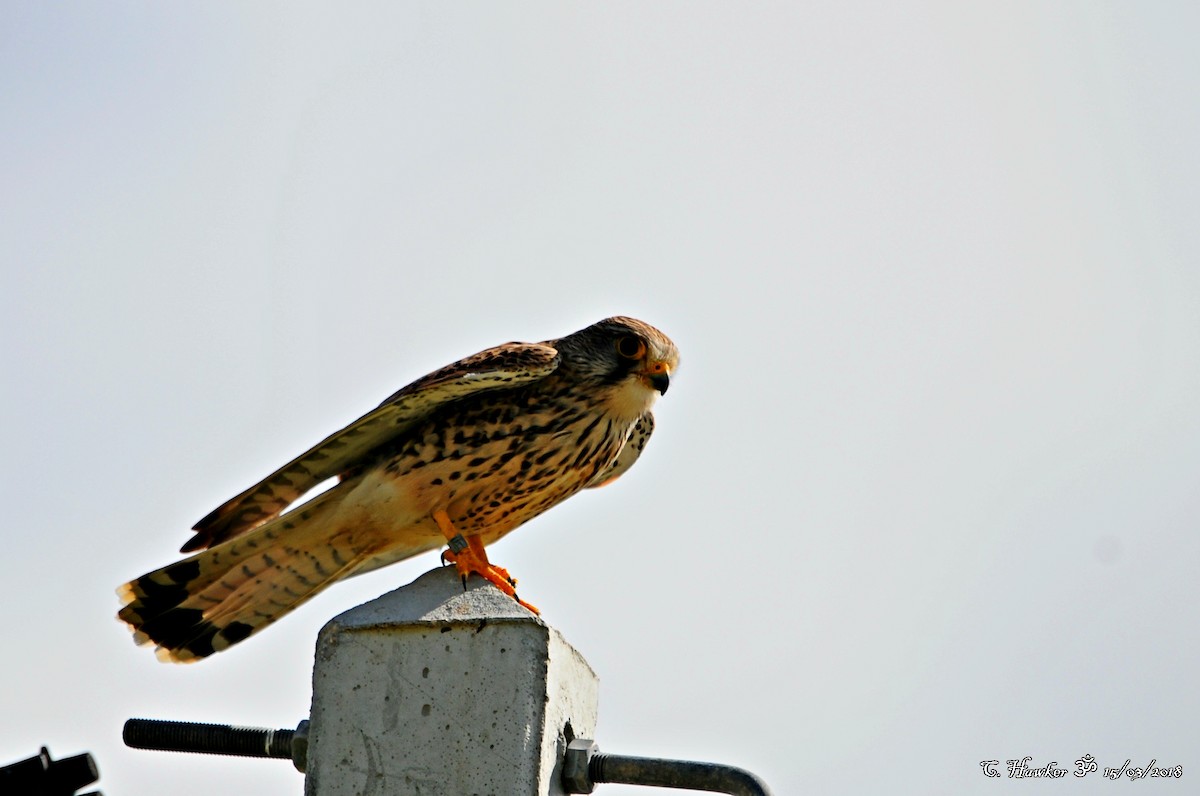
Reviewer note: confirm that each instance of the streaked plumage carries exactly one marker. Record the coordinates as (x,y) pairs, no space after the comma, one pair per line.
(465,454)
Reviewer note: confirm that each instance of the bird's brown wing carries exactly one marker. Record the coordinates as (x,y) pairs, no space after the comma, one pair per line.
(504,366)
(630,451)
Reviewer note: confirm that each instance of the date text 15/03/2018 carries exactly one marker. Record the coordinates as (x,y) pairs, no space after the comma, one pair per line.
(1022,769)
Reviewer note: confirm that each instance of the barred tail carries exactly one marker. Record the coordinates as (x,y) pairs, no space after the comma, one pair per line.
(217,597)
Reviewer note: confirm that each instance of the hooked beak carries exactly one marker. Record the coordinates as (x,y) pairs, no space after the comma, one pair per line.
(658,374)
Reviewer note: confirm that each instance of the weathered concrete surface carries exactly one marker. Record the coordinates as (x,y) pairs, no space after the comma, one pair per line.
(433,690)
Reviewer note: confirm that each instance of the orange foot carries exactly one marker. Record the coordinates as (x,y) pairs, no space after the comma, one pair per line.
(470,558)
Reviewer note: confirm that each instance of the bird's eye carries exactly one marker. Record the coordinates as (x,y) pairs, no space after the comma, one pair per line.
(631,347)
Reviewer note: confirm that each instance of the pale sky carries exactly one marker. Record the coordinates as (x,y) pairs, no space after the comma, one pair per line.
(924,492)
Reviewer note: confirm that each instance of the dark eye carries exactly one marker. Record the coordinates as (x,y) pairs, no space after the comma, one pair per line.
(631,347)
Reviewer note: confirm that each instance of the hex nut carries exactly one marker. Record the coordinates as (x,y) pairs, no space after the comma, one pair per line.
(575,777)
(300,746)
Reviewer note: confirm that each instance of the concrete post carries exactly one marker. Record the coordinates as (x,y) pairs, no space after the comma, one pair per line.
(433,690)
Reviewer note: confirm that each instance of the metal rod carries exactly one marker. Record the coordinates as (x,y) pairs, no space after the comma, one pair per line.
(584,766)
(213,739)
(683,774)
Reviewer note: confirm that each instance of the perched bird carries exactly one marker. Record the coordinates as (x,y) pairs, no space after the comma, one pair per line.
(459,457)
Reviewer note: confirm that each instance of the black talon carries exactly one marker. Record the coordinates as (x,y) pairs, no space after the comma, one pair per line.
(464,579)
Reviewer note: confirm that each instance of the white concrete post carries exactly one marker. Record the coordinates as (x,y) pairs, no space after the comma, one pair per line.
(433,690)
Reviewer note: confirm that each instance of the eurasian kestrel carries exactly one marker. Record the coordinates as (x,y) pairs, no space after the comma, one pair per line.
(461,456)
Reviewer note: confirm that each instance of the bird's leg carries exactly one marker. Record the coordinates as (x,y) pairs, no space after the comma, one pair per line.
(476,545)
(469,557)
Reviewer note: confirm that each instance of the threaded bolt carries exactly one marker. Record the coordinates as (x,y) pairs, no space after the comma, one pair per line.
(214,739)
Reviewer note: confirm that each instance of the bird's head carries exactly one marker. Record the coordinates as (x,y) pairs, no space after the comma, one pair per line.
(631,361)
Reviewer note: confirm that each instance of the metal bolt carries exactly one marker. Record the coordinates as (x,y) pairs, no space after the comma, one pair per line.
(218,739)
(584,766)
(575,777)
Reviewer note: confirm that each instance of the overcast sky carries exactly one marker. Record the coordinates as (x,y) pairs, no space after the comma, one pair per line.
(924,492)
